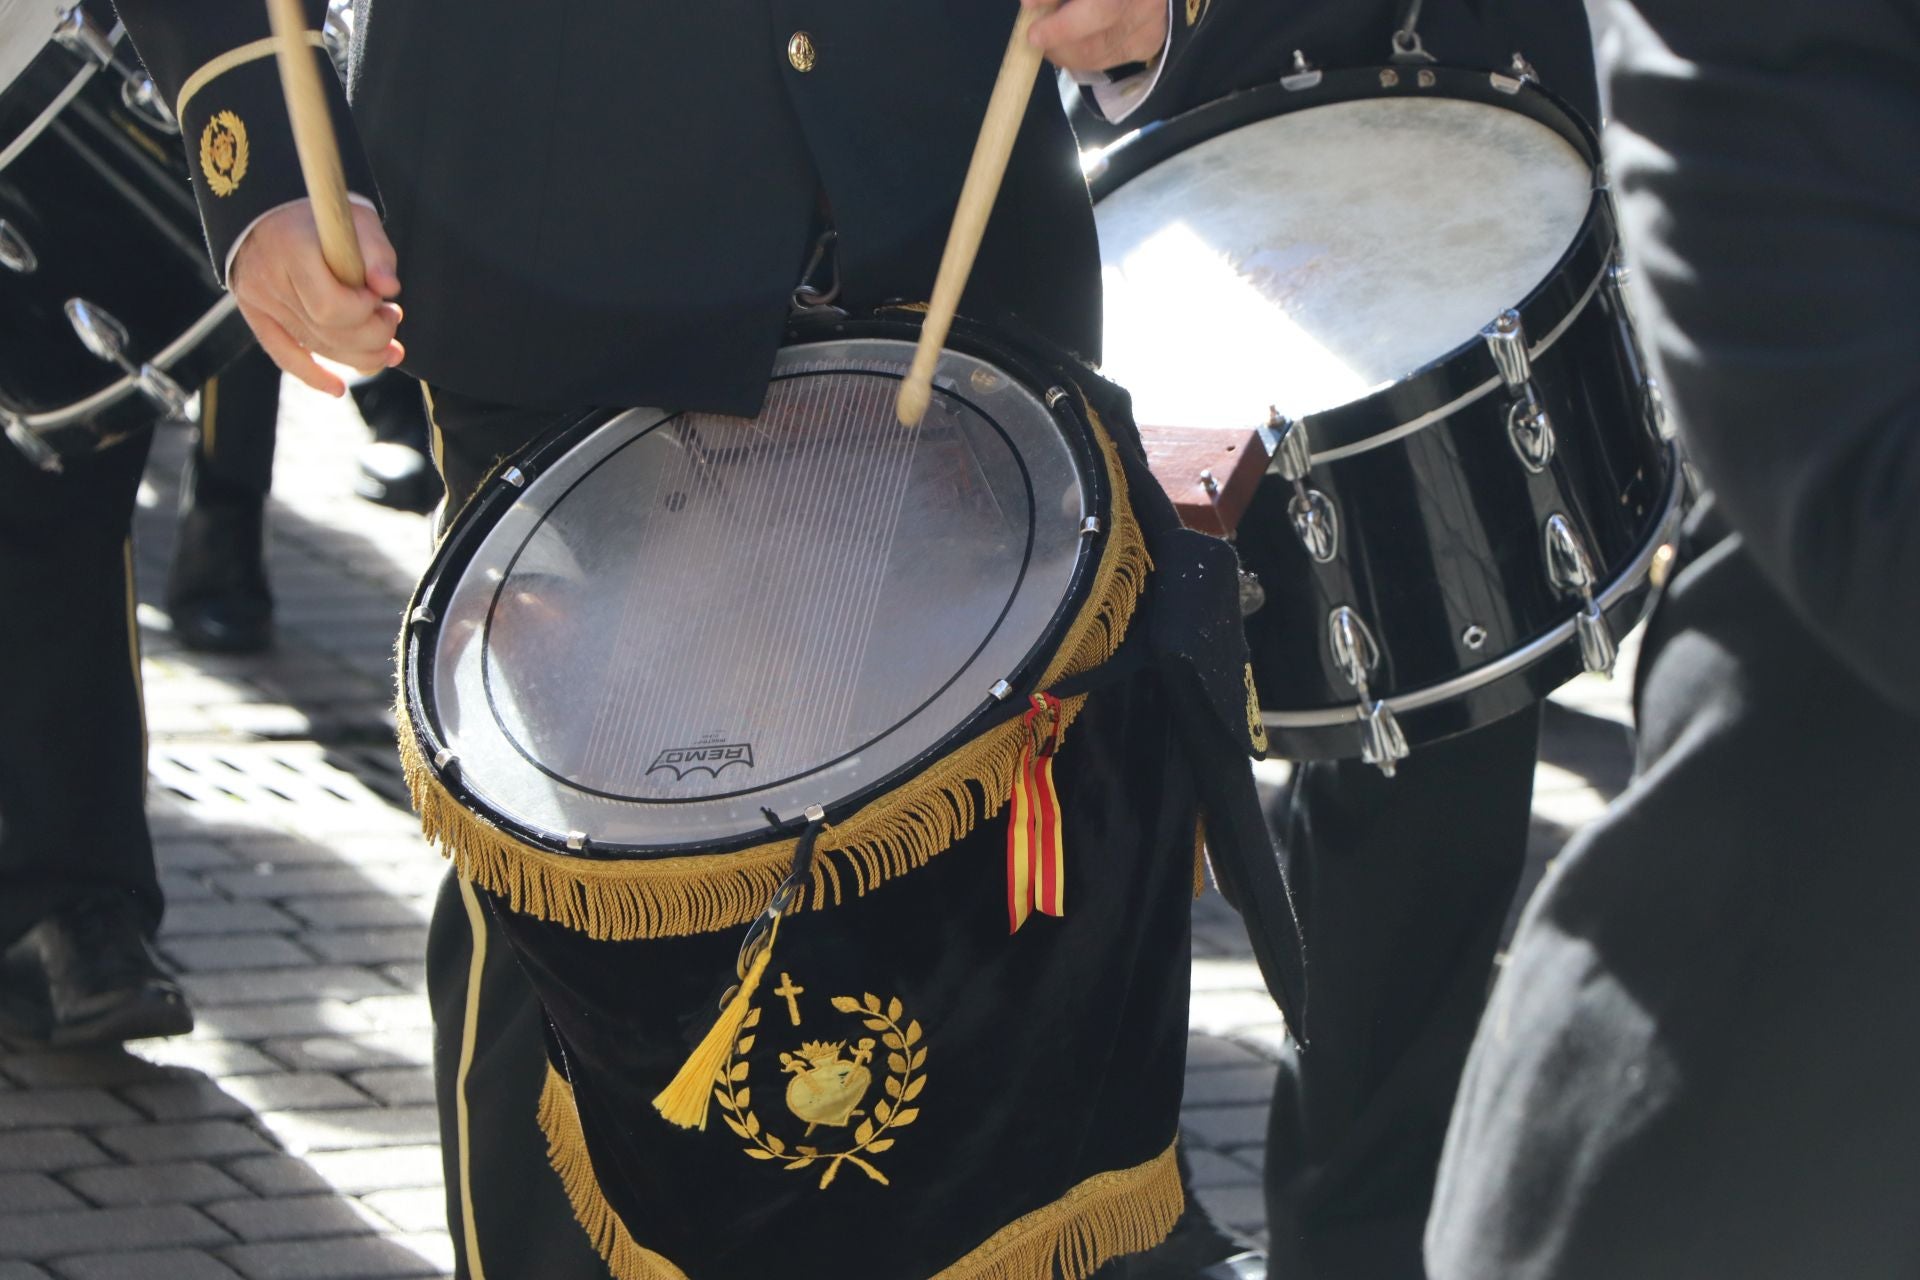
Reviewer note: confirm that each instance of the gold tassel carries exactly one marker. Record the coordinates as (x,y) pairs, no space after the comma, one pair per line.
(689,1094)
(621,900)
(1199,855)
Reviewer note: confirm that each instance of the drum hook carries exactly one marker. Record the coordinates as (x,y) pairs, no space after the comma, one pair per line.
(809,298)
(1407,45)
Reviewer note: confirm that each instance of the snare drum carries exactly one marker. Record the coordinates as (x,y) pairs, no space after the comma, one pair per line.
(1406,278)
(109,310)
(700,699)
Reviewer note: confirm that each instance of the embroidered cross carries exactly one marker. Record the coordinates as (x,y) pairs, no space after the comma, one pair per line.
(788,990)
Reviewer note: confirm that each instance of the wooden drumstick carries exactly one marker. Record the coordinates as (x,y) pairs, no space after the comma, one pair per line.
(1005,110)
(314,141)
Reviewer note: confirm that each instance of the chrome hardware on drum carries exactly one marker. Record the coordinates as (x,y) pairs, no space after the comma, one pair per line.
(109,311)
(1405,278)
(722,716)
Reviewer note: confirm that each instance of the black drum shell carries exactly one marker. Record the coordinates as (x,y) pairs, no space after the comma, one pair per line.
(1441,525)
(102,199)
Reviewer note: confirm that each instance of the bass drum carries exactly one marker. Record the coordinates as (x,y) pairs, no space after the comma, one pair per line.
(109,310)
(1407,280)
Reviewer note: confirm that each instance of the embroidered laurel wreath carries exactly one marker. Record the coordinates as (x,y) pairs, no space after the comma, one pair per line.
(906,1059)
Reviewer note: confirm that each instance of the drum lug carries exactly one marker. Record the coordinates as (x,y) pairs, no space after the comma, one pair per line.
(1506,340)
(1303,76)
(1090,526)
(423,616)
(31,446)
(1353,646)
(15,253)
(1570,569)
(577,841)
(515,477)
(1316,522)
(1001,691)
(1531,431)
(1382,744)
(83,36)
(142,97)
(1657,408)
(1287,445)
(108,339)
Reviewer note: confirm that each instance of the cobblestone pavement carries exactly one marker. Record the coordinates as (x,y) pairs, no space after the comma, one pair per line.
(292,1137)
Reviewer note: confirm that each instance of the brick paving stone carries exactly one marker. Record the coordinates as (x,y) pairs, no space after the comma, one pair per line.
(1233,1085)
(188,1182)
(200,1098)
(35,1193)
(1211,1169)
(378,1169)
(302,882)
(224,918)
(1211,1053)
(396,1086)
(232,951)
(288,1018)
(1227,975)
(176,886)
(1226,1127)
(48,1235)
(409,1012)
(1225,1011)
(304,1131)
(276,1175)
(187,1140)
(1242,1208)
(368,946)
(162,1264)
(47,1150)
(193,854)
(221,1058)
(367,911)
(262,986)
(362,1258)
(416,1209)
(354,1053)
(81,1068)
(53,1108)
(295,1218)
(21,1271)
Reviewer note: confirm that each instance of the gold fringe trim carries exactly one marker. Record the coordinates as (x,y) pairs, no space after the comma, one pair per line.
(1105,1217)
(1199,856)
(567,1153)
(620,900)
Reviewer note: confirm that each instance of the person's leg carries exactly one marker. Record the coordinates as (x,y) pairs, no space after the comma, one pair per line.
(77,878)
(1700,1056)
(1403,886)
(217,591)
(396,469)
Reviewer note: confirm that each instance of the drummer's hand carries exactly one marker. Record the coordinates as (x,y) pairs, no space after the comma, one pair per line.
(298,310)
(1093,35)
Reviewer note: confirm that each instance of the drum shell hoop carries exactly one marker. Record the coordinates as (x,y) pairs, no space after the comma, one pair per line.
(509,857)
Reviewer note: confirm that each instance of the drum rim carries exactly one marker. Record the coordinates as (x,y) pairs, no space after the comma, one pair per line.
(54,55)
(1465,373)
(469,529)
(1521,658)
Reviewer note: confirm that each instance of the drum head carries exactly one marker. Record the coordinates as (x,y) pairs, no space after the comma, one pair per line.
(1306,260)
(686,620)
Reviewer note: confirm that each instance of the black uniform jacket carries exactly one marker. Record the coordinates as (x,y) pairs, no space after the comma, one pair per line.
(610,203)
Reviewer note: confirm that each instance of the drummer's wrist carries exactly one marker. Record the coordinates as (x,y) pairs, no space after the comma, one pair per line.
(233,251)
(1118,92)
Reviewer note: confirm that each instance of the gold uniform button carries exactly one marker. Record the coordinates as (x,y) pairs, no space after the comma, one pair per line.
(800,51)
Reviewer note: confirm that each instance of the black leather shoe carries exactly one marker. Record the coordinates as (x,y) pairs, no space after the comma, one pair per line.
(398,475)
(104,982)
(217,589)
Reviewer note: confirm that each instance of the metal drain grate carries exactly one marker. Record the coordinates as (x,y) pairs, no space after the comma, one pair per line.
(283,775)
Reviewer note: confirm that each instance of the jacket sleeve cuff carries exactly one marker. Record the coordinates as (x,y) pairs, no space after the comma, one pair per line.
(240,145)
(1119,92)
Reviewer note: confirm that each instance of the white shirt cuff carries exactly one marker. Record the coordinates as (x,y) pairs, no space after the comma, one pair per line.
(1115,100)
(226,272)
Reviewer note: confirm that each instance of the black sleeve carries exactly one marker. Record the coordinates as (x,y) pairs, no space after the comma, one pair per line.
(214,61)
(1766,168)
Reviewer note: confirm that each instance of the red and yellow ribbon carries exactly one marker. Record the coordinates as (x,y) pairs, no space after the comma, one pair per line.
(1036,869)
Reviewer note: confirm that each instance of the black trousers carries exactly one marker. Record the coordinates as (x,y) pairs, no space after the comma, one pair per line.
(72,740)
(1403,886)
(239,407)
